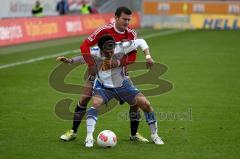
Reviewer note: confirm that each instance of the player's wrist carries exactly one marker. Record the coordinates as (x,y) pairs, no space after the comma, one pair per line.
(70,60)
(148,57)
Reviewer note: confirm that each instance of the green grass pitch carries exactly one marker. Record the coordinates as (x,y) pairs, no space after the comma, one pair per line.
(204,67)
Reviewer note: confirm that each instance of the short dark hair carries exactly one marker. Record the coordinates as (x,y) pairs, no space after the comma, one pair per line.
(104,39)
(121,10)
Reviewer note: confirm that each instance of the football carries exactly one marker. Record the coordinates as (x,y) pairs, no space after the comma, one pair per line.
(107,138)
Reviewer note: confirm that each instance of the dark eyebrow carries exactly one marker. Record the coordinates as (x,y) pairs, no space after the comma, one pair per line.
(127,19)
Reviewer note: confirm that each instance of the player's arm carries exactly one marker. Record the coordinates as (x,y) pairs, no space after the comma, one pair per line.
(129,49)
(128,46)
(85,50)
(77,59)
(90,42)
(131,56)
(138,43)
(128,58)
(145,48)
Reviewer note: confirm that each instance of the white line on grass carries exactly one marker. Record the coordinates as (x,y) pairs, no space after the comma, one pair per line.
(38,59)
(77,51)
(163,33)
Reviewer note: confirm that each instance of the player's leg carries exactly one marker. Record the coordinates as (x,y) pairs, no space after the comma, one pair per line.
(145,105)
(92,116)
(100,96)
(132,96)
(134,116)
(81,107)
(128,92)
(80,111)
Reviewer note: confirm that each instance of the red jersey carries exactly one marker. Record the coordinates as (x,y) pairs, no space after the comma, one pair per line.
(109,29)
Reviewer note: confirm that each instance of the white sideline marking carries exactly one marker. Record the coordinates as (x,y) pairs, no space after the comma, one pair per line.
(77,51)
(162,33)
(37,59)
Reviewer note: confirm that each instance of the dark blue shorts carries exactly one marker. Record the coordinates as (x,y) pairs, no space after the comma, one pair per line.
(125,93)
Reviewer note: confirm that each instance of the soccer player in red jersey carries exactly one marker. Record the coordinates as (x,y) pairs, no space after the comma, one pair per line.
(120,31)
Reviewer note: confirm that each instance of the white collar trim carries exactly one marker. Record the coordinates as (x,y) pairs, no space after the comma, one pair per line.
(120,32)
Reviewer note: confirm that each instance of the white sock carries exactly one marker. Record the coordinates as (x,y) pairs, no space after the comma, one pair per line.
(89,135)
(92,116)
(154,128)
(90,126)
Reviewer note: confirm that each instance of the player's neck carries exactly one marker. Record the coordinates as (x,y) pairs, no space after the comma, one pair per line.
(118,29)
(106,58)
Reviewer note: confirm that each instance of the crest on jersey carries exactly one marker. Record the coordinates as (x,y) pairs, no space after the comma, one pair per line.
(125,44)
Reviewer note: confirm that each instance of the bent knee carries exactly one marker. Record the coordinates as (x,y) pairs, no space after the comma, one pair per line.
(147,106)
(97,101)
(144,103)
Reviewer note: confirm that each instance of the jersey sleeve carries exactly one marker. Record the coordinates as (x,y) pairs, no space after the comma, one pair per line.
(141,43)
(130,57)
(78,59)
(88,43)
(129,46)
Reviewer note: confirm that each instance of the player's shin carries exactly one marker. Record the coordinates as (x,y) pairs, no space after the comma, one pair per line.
(78,115)
(92,116)
(152,122)
(134,121)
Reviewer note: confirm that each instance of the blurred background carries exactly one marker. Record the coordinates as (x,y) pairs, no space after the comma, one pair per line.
(63,18)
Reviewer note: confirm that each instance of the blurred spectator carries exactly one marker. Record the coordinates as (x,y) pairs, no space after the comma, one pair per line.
(37,10)
(62,7)
(94,7)
(85,9)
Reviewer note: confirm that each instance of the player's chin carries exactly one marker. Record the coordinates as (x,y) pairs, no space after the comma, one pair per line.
(125,27)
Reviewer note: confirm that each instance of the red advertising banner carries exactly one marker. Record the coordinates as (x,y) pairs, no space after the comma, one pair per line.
(22,30)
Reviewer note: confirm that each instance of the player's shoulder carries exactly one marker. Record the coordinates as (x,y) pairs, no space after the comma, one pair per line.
(105,27)
(95,51)
(101,30)
(132,31)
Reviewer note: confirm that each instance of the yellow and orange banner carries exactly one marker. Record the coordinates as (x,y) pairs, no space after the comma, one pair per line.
(196,7)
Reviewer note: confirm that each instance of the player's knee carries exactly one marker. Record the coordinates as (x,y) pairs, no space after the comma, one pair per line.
(146,106)
(97,102)
(142,102)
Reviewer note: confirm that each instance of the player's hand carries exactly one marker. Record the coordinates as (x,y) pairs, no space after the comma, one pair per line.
(149,63)
(64,59)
